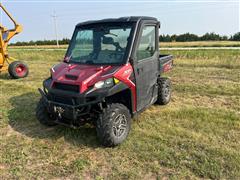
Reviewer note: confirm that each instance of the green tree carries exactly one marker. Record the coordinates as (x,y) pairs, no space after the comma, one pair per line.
(187,37)
(210,37)
(235,37)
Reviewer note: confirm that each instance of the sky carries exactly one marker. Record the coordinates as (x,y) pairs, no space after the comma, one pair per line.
(176,16)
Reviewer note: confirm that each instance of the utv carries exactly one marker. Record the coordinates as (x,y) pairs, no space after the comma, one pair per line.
(112,71)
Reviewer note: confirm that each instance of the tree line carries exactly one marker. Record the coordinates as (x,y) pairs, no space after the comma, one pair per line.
(41,42)
(187,37)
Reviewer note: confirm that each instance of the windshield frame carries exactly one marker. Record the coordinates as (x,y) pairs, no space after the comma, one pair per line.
(132,25)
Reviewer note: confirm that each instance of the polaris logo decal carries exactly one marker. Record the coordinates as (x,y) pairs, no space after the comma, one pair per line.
(127,72)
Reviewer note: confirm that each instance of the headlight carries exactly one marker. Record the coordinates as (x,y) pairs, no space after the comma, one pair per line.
(52,70)
(104,84)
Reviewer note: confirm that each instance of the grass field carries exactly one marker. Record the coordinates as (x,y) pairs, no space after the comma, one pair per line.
(196,136)
(164,44)
(201,44)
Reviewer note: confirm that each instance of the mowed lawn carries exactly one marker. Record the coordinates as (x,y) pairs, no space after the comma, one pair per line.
(196,136)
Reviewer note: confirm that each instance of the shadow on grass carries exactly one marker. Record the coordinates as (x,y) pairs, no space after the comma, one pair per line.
(4,75)
(23,120)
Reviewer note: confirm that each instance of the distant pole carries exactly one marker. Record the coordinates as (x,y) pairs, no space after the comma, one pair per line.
(239,15)
(54,16)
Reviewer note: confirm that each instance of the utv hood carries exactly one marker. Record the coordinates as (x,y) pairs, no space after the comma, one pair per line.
(83,75)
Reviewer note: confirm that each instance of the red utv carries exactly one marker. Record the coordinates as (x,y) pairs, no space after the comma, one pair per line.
(112,71)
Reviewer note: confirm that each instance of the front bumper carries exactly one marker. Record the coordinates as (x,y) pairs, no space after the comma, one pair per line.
(62,110)
(72,104)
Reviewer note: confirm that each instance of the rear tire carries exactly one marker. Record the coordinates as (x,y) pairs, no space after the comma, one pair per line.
(18,69)
(42,114)
(113,125)
(164,91)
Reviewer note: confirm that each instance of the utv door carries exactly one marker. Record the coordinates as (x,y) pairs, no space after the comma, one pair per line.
(146,64)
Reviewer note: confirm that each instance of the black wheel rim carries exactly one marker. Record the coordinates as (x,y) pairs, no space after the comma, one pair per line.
(119,125)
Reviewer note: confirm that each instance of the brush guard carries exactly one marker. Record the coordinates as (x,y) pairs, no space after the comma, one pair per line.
(68,115)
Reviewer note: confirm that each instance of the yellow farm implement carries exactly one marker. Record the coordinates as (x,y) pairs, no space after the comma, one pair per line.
(16,69)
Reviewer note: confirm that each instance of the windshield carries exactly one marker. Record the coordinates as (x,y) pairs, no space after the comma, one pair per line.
(100,44)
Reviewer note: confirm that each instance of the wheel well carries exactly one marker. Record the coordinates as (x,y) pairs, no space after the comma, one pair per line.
(124,97)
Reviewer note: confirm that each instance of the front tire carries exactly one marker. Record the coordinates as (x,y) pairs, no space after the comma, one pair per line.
(42,114)
(164,91)
(113,125)
(18,69)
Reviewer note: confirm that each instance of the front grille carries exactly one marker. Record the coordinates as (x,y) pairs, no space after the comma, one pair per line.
(66,87)
(64,100)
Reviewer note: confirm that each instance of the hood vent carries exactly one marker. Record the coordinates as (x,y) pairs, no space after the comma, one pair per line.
(72,77)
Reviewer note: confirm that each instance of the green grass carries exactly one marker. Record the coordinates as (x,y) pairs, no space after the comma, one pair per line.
(196,136)
(201,44)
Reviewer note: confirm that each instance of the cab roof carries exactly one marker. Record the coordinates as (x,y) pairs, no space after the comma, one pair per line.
(121,19)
